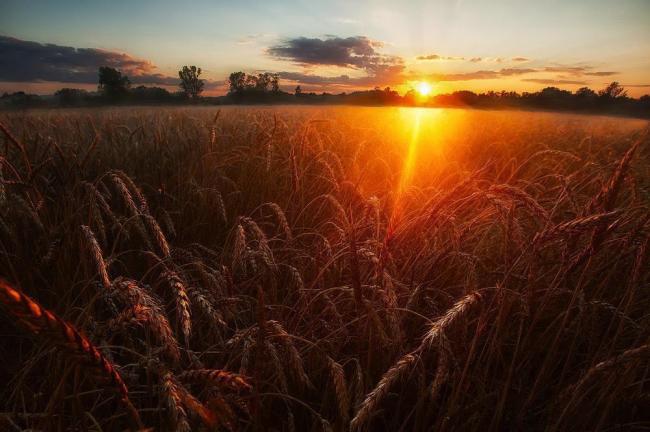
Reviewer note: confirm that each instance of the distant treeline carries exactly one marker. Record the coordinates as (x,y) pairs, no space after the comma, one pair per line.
(264,88)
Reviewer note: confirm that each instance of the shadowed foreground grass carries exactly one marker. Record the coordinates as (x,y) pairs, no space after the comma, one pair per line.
(323,269)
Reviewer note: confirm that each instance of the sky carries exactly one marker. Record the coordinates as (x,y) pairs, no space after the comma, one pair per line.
(333,46)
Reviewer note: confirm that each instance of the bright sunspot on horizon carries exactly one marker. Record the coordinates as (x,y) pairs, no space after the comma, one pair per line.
(424,88)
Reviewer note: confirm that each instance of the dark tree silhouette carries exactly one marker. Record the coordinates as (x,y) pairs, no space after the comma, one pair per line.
(191,84)
(298,91)
(251,82)
(613,91)
(262,82)
(586,93)
(237,82)
(150,94)
(112,84)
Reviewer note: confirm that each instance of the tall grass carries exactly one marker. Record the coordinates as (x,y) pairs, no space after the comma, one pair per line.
(280,269)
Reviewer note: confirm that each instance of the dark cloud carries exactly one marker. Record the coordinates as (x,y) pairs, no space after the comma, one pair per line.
(388,76)
(476,59)
(520,59)
(553,81)
(357,52)
(26,61)
(314,79)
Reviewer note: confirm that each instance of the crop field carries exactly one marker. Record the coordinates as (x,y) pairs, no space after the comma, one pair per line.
(334,269)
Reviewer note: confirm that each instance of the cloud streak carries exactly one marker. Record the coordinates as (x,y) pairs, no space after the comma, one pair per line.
(482,74)
(554,81)
(438,57)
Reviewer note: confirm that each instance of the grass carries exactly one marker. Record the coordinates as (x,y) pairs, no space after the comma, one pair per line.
(323,269)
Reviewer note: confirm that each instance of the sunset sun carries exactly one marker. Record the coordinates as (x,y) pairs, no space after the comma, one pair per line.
(424,88)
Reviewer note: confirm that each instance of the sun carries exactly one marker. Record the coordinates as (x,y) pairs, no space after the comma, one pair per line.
(424,88)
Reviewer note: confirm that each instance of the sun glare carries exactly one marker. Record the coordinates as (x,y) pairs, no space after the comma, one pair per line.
(424,88)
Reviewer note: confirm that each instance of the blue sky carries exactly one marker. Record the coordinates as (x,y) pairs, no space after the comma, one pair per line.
(564,43)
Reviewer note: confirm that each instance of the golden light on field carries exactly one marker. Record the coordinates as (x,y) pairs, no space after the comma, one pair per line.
(408,168)
(424,88)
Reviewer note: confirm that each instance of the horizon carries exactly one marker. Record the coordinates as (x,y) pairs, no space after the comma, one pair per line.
(331,48)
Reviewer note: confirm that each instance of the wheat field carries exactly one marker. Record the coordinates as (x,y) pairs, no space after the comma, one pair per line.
(307,269)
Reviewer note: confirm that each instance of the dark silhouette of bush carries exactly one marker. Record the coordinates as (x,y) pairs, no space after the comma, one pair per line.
(71,96)
(142,94)
(21,100)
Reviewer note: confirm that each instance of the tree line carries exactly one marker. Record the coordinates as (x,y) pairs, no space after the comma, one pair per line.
(114,87)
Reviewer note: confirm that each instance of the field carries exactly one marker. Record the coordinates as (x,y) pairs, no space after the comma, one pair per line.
(325,269)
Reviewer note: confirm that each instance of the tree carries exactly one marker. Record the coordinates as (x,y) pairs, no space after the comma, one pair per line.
(585,93)
(613,91)
(190,83)
(298,91)
(251,82)
(112,83)
(263,82)
(237,82)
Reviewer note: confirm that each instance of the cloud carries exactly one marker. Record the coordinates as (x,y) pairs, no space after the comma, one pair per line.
(26,61)
(438,57)
(553,81)
(314,79)
(601,74)
(389,76)
(357,52)
(571,70)
(578,71)
(470,59)
(483,74)
(516,71)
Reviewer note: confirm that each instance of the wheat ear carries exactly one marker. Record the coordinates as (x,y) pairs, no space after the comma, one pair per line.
(55,330)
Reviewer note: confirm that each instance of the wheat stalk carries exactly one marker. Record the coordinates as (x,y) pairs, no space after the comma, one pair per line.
(179,290)
(373,400)
(96,255)
(337,376)
(56,331)
(219,377)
